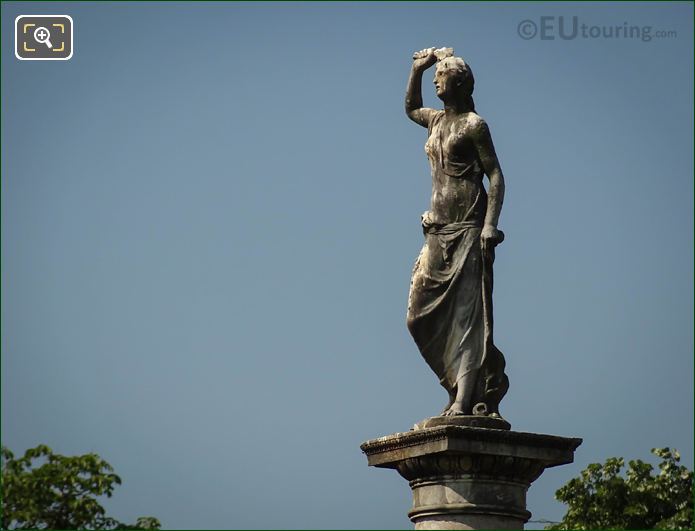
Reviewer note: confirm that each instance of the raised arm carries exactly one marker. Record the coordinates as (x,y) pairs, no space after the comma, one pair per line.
(422,60)
(491,167)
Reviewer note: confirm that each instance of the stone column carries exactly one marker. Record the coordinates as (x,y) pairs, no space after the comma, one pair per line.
(468,477)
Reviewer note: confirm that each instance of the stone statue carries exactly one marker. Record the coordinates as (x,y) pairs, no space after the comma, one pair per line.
(466,467)
(450,300)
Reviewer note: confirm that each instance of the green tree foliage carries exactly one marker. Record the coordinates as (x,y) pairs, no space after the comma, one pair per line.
(43,490)
(603,499)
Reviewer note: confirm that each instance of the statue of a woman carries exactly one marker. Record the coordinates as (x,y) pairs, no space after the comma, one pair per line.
(450,301)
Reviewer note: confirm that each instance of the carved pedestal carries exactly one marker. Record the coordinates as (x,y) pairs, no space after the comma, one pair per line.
(466,477)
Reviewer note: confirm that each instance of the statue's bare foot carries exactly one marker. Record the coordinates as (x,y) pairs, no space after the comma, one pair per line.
(454,409)
(448,406)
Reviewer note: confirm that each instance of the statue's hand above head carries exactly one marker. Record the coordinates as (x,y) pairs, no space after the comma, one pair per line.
(423,59)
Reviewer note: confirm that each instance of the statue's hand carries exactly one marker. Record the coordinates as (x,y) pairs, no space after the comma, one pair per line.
(423,59)
(490,236)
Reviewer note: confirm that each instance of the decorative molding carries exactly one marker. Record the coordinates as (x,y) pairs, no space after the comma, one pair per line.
(440,467)
(469,508)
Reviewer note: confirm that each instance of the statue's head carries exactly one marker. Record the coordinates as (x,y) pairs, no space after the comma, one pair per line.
(453,80)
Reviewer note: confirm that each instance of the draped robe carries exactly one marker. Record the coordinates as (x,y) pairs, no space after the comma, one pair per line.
(450,299)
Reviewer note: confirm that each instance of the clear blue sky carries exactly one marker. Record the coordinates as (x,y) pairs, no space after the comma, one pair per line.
(211,212)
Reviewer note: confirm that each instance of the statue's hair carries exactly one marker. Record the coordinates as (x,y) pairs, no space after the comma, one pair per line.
(464,73)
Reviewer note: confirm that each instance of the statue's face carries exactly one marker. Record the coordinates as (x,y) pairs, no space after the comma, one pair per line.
(445,82)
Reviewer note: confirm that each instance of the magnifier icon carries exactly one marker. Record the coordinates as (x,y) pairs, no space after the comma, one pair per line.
(42,35)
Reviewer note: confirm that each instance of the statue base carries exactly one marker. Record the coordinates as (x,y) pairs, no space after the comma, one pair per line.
(476,421)
(467,477)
